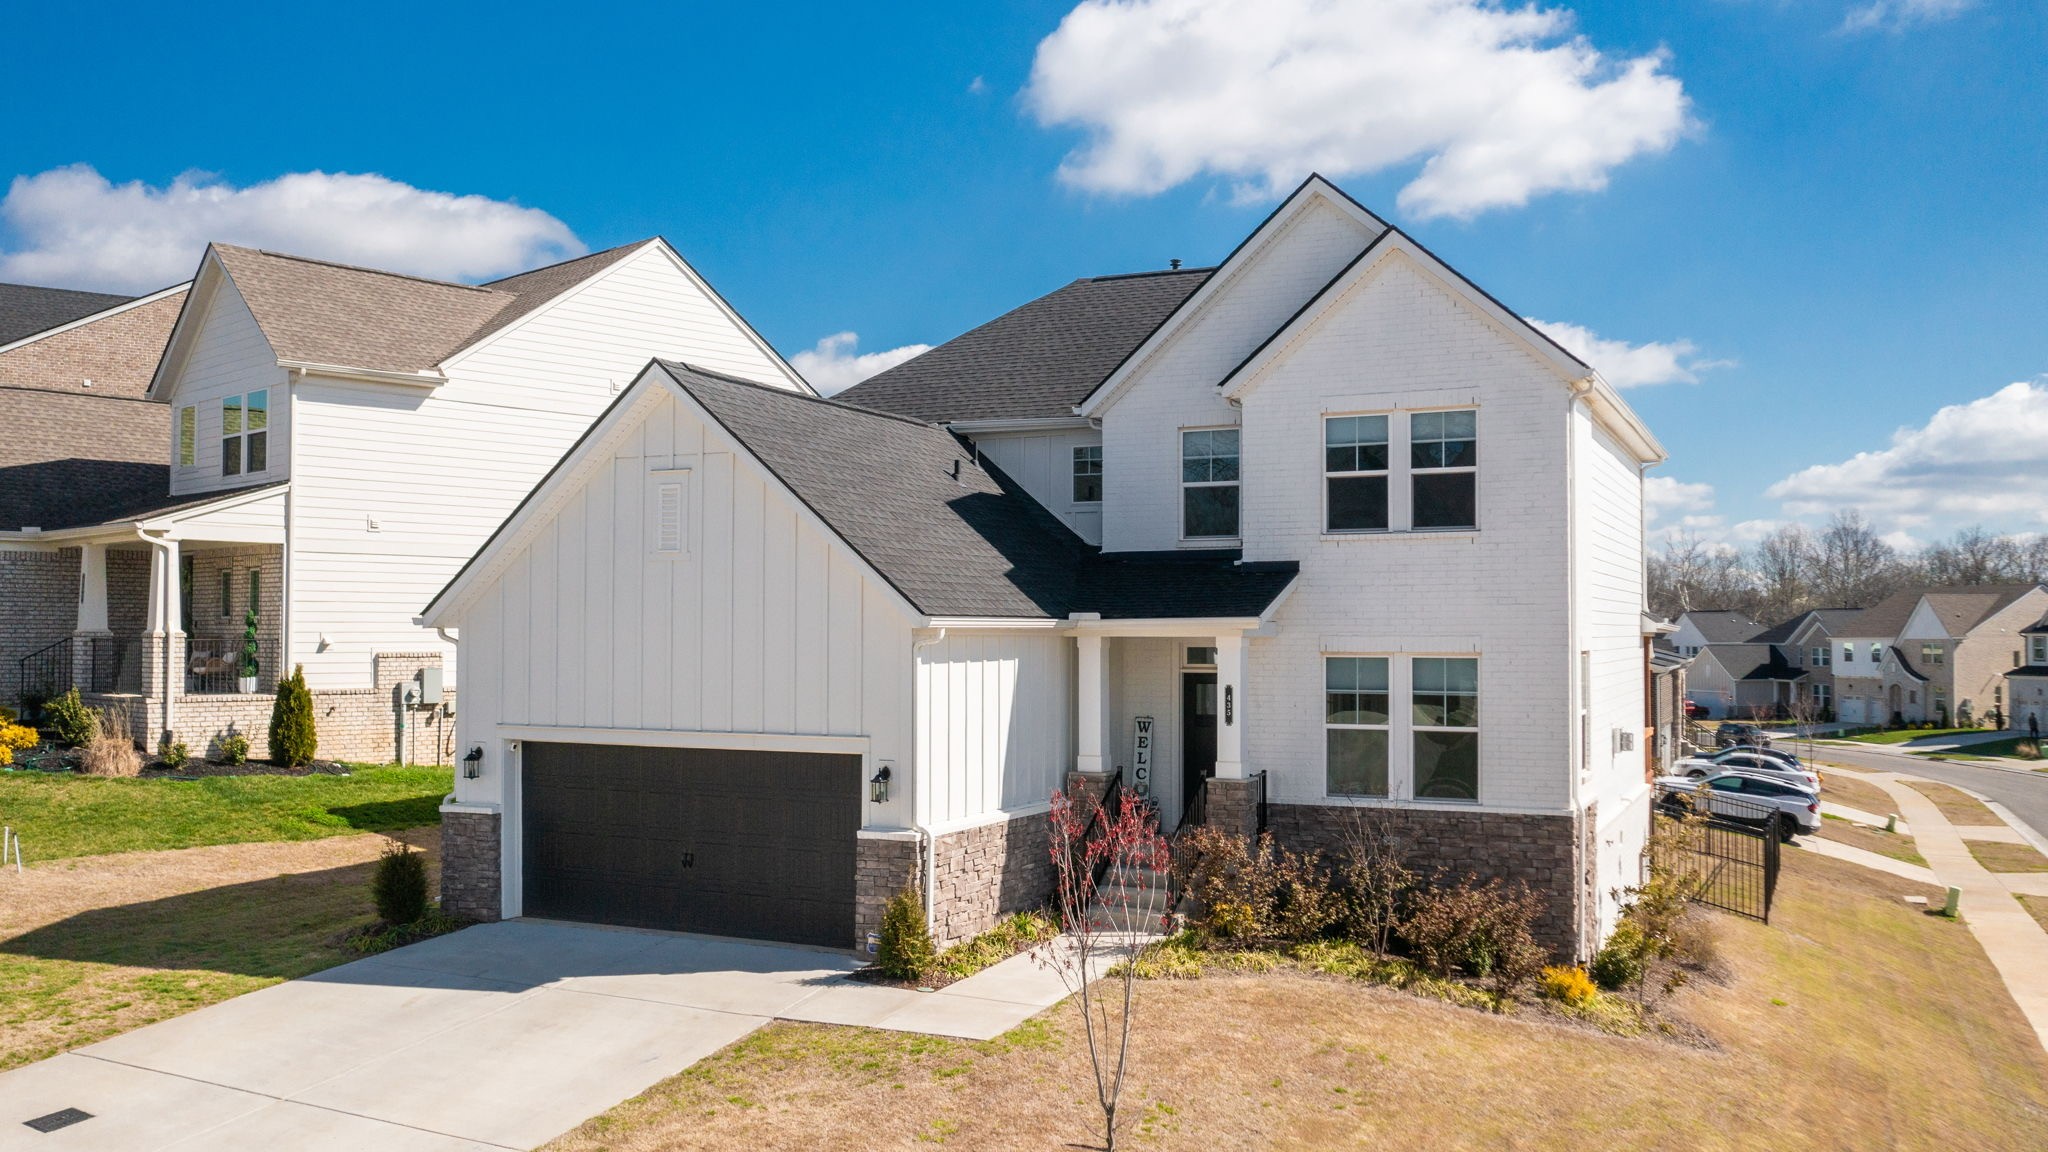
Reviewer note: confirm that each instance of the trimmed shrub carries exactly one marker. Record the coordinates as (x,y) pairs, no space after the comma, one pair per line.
(1483,930)
(250,650)
(1251,890)
(399,886)
(234,748)
(906,951)
(1623,959)
(292,740)
(1568,985)
(176,755)
(73,722)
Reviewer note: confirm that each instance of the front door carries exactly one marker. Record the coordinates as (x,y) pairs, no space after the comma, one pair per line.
(1197,733)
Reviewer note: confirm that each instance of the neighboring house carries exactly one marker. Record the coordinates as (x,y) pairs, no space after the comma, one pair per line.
(80,437)
(1935,654)
(1743,681)
(1700,628)
(1807,641)
(1664,672)
(2026,691)
(337,441)
(1368,542)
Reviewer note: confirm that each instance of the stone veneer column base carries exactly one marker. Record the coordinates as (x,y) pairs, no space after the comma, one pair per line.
(1544,852)
(883,865)
(471,868)
(985,873)
(1231,806)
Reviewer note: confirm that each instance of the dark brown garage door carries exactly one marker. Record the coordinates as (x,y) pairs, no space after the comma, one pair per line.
(732,843)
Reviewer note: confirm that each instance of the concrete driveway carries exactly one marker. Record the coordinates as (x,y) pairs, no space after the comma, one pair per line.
(499,1036)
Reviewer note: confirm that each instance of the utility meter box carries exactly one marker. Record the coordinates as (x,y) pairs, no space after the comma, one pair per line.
(430,685)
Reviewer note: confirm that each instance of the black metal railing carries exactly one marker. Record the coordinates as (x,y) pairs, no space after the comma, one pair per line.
(213,664)
(45,672)
(1099,821)
(1730,848)
(113,664)
(1257,781)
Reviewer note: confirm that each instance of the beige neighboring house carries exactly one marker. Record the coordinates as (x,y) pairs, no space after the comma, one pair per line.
(2026,687)
(1806,641)
(1935,654)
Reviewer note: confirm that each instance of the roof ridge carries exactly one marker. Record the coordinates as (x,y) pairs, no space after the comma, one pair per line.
(72,291)
(825,400)
(372,271)
(79,395)
(1152,272)
(571,260)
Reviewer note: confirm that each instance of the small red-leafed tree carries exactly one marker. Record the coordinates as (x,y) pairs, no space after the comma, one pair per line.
(1111,866)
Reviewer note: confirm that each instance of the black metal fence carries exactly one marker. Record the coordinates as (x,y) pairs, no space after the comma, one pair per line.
(213,664)
(115,664)
(1728,844)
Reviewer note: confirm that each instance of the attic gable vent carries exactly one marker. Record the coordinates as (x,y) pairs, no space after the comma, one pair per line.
(668,508)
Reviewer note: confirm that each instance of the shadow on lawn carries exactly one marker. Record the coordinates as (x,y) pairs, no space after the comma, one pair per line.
(391,815)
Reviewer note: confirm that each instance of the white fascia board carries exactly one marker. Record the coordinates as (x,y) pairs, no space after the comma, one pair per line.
(201,290)
(123,531)
(1020,424)
(1168,628)
(673,738)
(95,317)
(986,623)
(365,375)
(1248,250)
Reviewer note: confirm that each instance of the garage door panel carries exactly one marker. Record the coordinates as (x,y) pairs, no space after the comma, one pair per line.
(724,841)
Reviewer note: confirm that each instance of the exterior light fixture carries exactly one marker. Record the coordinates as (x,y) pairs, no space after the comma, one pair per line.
(878,786)
(473,764)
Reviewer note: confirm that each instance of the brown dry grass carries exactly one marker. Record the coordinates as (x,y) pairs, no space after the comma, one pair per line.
(1853,1021)
(2036,906)
(94,946)
(2008,857)
(1872,840)
(1959,806)
(1843,788)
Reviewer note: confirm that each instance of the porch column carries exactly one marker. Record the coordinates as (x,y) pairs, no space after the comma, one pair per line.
(91,625)
(1230,706)
(1091,689)
(163,643)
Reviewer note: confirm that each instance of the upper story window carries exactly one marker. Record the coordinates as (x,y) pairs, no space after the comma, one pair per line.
(1932,654)
(2037,649)
(1355,473)
(1848,653)
(1208,483)
(244,433)
(1443,458)
(1088,474)
(1819,655)
(1876,653)
(188,436)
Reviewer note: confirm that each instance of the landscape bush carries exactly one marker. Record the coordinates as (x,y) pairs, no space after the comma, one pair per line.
(292,739)
(1482,930)
(1568,985)
(16,738)
(72,720)
(1373,879)
(1248,890)
(1622,960)
(398,888)
(905,951)
(234,748)
(175,755)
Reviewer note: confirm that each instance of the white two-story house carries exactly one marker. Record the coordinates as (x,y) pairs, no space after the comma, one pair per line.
(1324,528)
(338,441)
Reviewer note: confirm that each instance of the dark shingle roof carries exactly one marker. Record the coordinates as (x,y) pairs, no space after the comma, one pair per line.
(1723,625)
(325,313)
(1038,360)
(68,457)
(1783,631)
(26,310)
(1959,608)
(1754,662)
(965,543)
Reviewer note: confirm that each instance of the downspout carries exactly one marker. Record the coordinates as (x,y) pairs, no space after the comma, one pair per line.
(1580,733)
(284,559)
(450,797)
(165,609)
(920,807)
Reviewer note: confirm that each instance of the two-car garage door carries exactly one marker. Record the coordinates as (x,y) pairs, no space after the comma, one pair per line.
(722,841)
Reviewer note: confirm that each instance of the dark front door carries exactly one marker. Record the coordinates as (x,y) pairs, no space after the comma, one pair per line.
(1197,733)
(726,842)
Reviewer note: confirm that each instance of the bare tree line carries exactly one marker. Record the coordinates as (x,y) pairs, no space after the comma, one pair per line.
(1843,565)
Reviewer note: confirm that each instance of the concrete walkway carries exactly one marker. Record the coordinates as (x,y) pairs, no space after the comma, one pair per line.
(1822,846)
(501,1036)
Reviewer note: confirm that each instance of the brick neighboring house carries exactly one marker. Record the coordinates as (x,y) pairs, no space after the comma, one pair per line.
(2026,687)
(80,438)
(1806,641)
(1935,654)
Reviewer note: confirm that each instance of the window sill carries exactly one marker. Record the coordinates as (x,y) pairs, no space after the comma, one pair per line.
(1398,534)
(1211,542)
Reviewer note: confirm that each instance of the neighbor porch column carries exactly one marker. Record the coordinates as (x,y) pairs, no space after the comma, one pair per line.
(1091,689)
(1230,706)
(163,642)
(91,625)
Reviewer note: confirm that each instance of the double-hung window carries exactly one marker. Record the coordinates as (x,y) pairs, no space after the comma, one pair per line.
(1208,483)
(1446,718)
(1848,653)
(1088,474)
(1355,473)
(244,433)
(1443,461)
(2037,649)
(1820,654)
(1932,654)
(1356,727)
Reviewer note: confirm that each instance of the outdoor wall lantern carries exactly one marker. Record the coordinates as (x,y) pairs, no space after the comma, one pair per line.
(878,785)
(473,764)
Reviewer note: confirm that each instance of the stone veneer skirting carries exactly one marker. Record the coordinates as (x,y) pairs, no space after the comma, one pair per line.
(1545,852)
(471,882)
(979,875)
(882,867)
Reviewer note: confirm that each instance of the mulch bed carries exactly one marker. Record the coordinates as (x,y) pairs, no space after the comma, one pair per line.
(193,769)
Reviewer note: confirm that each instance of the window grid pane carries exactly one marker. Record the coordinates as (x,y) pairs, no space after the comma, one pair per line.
(1088,474)
(1356,734)
(1443,451)
(1209,473)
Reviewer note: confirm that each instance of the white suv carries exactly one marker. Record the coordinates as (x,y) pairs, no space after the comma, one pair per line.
(1750,799)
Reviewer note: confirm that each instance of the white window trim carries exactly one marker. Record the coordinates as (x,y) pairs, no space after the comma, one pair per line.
(1322,452)
(1408,469)
(2037,649)
(1401,729)
(1100,474)
(1179,464)
(241,438)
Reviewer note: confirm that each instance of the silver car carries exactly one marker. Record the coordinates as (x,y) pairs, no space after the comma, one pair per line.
(1751,763)
(1749,799)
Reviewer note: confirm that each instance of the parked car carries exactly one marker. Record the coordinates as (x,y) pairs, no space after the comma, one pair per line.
(1740,797)
(1788,759)
(1750,762)
(1695,711)
(1730,735)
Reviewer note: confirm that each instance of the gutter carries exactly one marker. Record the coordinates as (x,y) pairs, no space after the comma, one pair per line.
(370,375)
(1579,733)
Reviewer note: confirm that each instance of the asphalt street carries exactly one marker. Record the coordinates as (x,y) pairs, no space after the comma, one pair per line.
(2024,793)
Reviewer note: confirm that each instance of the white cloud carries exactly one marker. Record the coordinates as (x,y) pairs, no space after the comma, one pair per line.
(977,86)
(71,227)
(1501,104)
(1628,365)
(1665,495)
(1899,15)
(1983,462)
(835,364)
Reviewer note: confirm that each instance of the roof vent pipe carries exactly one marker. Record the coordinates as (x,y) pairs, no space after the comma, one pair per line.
(956,469)
(1173,265)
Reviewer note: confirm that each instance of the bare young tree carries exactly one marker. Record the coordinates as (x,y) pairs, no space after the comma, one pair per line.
(1104,919)
(1852,566)
(1782,563)
(1691,574)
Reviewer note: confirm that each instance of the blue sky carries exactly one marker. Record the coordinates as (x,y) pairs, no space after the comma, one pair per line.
(1831,214)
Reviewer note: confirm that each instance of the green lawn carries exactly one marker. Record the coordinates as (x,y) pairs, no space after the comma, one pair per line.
(1901,735)
(61,815)
(2019,747)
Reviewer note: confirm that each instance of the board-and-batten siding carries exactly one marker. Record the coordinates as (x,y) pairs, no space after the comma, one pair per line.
(228,357)
(761,625)
(1042,463)
(995,721)
(437,470)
